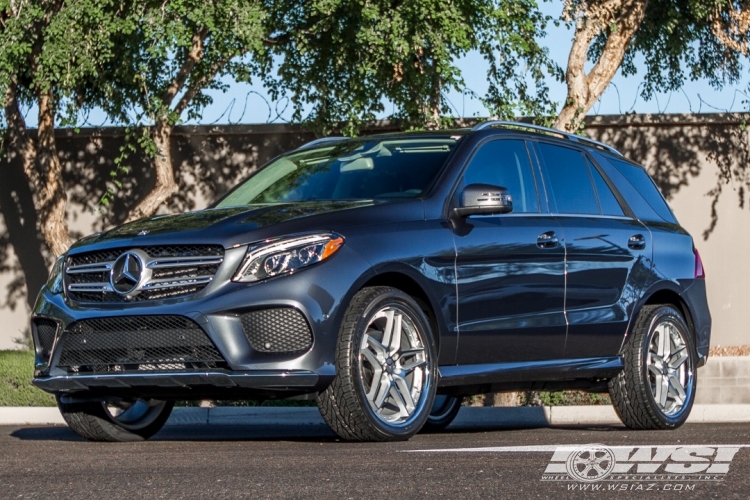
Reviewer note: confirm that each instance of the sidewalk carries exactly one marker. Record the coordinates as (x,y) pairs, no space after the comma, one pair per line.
(524,416)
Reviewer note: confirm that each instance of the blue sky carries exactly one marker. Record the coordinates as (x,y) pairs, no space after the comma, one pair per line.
(244,103)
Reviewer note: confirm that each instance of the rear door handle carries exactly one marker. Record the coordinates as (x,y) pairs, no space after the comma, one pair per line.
(547,240)
(637,242)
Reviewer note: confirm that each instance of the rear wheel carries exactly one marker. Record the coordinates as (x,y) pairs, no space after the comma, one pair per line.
(385,369)
(444,411)
(656,389)
(122,421)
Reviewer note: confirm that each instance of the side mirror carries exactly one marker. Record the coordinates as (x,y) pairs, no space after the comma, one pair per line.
(484,199)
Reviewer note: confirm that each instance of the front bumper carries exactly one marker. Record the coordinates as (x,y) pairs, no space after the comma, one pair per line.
(218,310)
(219,383)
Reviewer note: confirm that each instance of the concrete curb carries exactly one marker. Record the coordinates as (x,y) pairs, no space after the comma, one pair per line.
(525,416)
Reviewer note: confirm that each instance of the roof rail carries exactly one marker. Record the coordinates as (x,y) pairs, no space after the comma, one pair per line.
(547,130)
(319,142)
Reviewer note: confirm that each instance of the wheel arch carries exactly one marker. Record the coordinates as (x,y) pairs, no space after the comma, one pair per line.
(664,293)
(409,285)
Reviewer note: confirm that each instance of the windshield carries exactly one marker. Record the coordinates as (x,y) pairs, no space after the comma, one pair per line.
(350,171)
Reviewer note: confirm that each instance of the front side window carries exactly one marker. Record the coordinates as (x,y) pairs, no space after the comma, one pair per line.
(354,170)
(505,163)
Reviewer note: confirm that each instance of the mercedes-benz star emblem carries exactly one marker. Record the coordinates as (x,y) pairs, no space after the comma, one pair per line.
(126,273)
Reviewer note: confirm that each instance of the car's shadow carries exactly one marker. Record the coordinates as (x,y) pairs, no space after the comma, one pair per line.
(281,432)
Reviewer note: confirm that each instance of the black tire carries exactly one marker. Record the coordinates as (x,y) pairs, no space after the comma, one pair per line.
(633,390)
(444,411)
(93,420)
(345,406)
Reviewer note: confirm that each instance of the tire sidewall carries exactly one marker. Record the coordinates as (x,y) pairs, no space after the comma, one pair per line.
(659,315)
(408,305)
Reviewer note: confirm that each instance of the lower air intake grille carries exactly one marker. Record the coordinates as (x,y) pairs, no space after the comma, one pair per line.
(45,334)
(277,330)
(137,343)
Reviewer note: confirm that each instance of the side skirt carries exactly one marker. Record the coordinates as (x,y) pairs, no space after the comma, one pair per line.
(589,374)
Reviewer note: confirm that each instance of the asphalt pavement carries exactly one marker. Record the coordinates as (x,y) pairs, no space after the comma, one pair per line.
(476,459)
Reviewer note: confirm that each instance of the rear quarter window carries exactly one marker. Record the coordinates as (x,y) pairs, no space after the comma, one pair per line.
(638,189)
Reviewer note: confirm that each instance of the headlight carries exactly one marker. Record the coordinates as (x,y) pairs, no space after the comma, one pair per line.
(54,282)
(286,255)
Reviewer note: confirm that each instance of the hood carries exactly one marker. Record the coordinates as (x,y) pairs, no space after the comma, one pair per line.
(238,225)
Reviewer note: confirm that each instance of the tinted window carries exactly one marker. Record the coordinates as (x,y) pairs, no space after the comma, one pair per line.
(641,181)
(505,163)
(570,181)
(635,201)
(607,200)
(366,169)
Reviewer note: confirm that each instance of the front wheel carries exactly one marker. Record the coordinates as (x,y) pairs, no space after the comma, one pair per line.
(121,421)
(386,366)
(656,388)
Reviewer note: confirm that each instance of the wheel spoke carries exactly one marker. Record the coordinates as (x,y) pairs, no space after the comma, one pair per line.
(378,379)
(663,391)
(678,357)
(403,389)
(383,389)
(388,331)
(396,395)
(666,341)
(658,378)
(380,350)
(395,343)
(373,359)
(415,363)
(654,370)
(678,389)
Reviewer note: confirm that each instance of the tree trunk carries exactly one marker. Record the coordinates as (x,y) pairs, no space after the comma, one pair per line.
(621,18)
(433,113)
(18,140)
(51,192)
(165,185)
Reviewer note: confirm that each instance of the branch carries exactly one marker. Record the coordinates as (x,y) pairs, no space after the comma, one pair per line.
(193,57)
(732,32)
(197,85)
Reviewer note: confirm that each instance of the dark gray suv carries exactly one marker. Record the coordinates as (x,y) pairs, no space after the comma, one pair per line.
(387,277)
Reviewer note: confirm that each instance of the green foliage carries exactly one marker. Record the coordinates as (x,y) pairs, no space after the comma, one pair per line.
(347,59)
(573,398)
(16,372)
(676,44)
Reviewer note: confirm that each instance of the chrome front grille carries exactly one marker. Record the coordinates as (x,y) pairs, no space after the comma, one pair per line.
(155,272)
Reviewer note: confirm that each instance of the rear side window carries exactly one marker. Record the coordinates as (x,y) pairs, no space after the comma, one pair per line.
(505,163)
(607,200)
(570,181)
(645,186)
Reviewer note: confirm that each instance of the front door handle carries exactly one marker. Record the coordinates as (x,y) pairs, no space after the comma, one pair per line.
(547,240)
(637,242)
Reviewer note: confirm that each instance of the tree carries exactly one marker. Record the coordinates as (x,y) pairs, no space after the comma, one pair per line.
(613,23)
(176,51)
(348,60)
(51,53)
(677,39)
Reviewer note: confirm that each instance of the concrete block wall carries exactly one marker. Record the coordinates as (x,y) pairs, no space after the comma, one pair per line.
(724,380)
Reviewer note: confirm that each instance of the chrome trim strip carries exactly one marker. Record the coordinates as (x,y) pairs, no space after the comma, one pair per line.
(175,282)
(90,287)
(99,267)
(184,262)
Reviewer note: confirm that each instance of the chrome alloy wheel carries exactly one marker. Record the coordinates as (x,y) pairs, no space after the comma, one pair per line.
(394,366)
(669,368)
(134,415)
